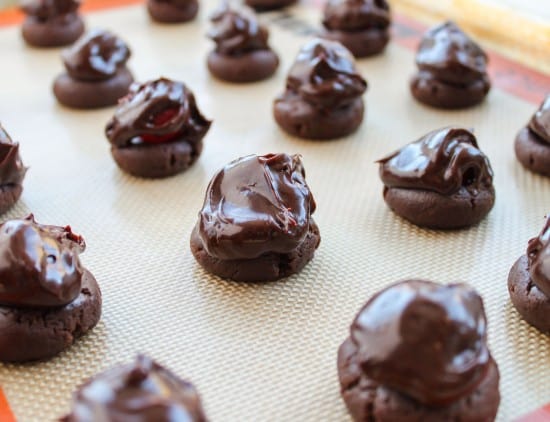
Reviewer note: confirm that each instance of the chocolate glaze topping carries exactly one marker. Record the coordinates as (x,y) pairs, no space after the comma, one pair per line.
(142,391)
(443,161)
(538,255)
(96,56)
(45,10)
(176,3)
(449,55)
(39,264)
(237,31)
(325,76)
(425,340)
(157,111)
(256,205)
(356,15)
(12,170)
(540,122)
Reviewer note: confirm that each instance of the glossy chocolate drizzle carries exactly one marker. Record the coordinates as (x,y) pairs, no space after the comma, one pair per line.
(237,31)
(142,391)
(450,56)
(538,255)
(325,76)
(540,122)
(176,3)
(96,56)
(12,170)
(256,205)
(356,15)
(444,161)
(157,112)
(45,10)
(425,340)
(39,264)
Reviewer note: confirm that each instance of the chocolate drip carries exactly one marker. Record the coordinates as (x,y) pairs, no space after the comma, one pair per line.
(39,264)
(256,205)
(156,112)
(142,391)
(425,340)
(356,15)
(449,55)
(237,31)
(443,161)
(325,76)
(96,56)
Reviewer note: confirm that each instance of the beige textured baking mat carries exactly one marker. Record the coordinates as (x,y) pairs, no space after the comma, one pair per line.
(257,352)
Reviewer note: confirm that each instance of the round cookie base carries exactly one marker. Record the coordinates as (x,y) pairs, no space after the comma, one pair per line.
(361,43)
(52,34)
(368,401)
(28,334)
(267,267)
(267,5)
(155,161)
(92,94)
(249,67)
(531,303)
(435,211)
(299,118)
(435,93)
(532,153)
(168,13)
(9,195)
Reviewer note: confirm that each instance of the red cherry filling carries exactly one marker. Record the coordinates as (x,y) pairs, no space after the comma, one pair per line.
(159,120)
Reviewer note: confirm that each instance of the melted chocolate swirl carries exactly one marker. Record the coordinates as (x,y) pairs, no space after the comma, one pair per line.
(356,15)
(538,255)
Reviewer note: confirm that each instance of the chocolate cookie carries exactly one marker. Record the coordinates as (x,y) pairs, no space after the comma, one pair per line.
(140,391)
(362,26)
(266,5)
(242,53)
(417,351)
(441,181)
(96,75)
(255,224)
(529,282)
(323,96)
(51,23)
(157,129)
(172,11)
(452,69)
(12,172)
(47,298)
(532,143)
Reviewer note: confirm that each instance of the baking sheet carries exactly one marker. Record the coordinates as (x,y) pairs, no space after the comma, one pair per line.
(257,351)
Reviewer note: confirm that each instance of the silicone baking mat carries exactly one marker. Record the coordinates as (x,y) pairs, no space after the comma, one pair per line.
(260,352)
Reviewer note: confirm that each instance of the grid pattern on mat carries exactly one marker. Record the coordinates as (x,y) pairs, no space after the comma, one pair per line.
(260,351)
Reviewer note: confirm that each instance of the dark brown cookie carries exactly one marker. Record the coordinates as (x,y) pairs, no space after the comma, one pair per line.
(323,93)
(32,333)
(12,172)
(47,34)
(92,94)
(301,119)
(266,5)
(532,153)
(436,93)
(368,401)
(435,211)
(361,43)
(249,67)
(269,267)
(531,303)
(172,12)
(452,69)
(156,160)
(440,181)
